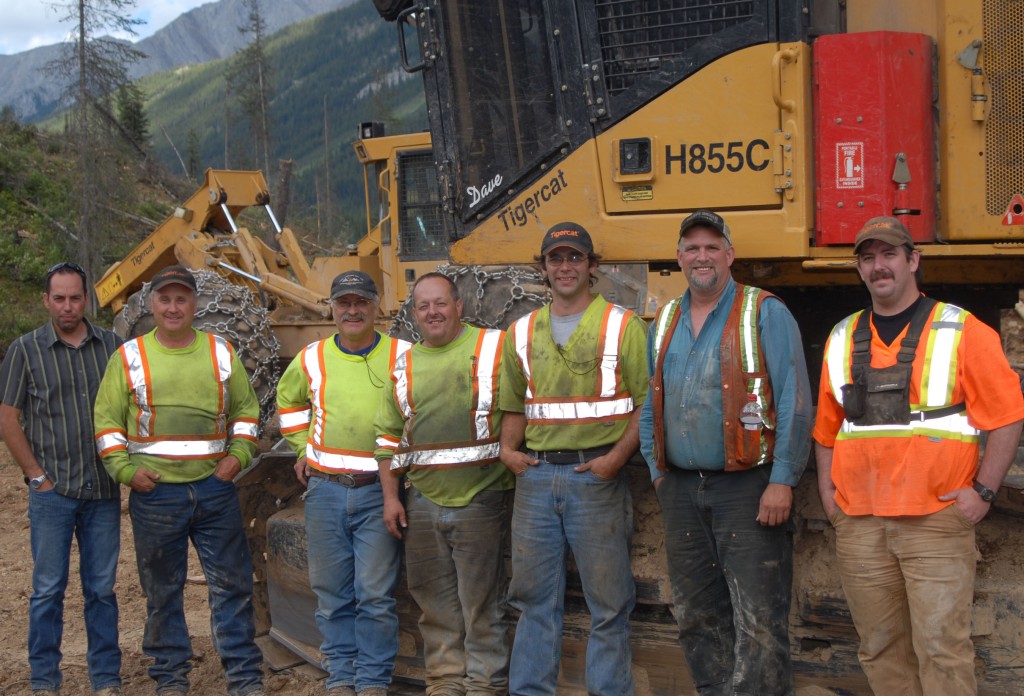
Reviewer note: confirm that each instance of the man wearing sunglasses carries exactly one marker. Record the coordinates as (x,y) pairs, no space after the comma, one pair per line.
(573,381)
(49,379)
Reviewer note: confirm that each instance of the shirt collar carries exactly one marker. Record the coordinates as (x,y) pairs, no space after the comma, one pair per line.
(52,338)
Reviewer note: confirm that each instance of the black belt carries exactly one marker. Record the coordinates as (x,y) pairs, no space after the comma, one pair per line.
(346,480)
(570,456)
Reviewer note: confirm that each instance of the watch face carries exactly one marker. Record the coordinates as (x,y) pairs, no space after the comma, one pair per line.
(986,494)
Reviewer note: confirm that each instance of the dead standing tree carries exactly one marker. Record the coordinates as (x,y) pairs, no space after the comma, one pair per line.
(93,66)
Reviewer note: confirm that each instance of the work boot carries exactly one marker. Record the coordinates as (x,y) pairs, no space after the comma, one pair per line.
(109,691)
(374,691)
(341,691)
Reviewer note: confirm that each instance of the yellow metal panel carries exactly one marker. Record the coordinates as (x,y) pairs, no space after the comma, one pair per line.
(765,223)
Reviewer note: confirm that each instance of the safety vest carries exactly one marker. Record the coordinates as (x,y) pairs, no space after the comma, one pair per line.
(743,371)
(133,356)
(935,391)
(483,448)
(318,454)
(610,399)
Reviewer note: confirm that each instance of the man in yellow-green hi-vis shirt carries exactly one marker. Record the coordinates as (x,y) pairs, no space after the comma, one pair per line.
(326,401)
(438,423)
(176,420)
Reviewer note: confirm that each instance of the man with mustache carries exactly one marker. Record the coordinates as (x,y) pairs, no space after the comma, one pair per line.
(726,487)
(907,388)
(326,402)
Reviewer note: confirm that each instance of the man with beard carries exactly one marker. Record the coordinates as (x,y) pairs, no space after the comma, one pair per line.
(726,487)
(907,388)
(50,377)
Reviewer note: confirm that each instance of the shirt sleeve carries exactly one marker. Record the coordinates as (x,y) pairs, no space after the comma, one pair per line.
(243,413)
(110,415)
(293,405)
(791,389)
(13,375)
(992,390)
(632,359)
(513,381)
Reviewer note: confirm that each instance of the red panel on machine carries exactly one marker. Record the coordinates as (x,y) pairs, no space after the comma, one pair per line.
(872,104)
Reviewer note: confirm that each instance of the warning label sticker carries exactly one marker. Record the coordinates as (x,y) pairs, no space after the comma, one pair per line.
(638,193)
(849,165)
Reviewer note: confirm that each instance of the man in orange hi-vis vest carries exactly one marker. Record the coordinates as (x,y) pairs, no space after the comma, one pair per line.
(176,420)
(907,387)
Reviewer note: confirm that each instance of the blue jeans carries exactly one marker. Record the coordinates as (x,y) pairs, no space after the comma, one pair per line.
(455,567)
(96,524)
(353,569)
(731,582)
(163,521)
(558,510)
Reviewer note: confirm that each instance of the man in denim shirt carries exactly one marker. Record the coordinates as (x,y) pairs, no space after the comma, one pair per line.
(726,488)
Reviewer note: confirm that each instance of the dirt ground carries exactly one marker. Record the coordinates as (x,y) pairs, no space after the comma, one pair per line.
(16,581)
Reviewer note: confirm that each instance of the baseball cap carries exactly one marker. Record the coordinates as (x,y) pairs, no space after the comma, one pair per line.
(884,229)
(171,275)
(705,218)
(567,234)
(354,283)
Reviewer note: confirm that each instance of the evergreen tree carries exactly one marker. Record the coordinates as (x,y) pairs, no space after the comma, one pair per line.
(248,77)
(192,154)
(131,113)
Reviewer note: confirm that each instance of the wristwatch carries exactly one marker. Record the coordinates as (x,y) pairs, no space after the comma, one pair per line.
(36,482)
(987,494)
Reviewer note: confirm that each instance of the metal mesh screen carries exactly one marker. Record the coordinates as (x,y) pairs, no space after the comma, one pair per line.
(421,233)
(1004,129)
(639,36)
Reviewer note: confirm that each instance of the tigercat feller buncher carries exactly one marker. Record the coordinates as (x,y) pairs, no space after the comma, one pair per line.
(798,120)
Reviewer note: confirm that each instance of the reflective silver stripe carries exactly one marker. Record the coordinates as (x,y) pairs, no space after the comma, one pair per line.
(954,426)
(288,420)
(109,441)
(837,355)
(486,365)
(179,448)
(521,340)
(222,362)
(387,442)
(245,428)
(579,410)
(449,456)
(939,373)
(135,367)
(337,461)
(663,321)
(311,357)
(749,343)
(403,365)
(608,349)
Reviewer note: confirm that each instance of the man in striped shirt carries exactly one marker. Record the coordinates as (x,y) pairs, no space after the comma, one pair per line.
(49,379)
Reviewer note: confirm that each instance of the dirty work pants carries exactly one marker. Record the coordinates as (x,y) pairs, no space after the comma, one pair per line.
(910,584)
(731,581)
(163,522)
(558,510)
(455,567)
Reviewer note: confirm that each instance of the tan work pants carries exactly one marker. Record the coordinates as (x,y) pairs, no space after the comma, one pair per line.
(910,585)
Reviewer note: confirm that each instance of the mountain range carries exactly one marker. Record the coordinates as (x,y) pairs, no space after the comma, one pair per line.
(205,33)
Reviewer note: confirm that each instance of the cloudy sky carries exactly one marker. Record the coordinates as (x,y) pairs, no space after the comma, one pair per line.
(26,24)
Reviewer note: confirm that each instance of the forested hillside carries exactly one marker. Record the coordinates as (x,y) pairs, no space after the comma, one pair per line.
(338,69)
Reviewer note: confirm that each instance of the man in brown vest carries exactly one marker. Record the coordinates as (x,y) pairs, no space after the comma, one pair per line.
(721,354)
